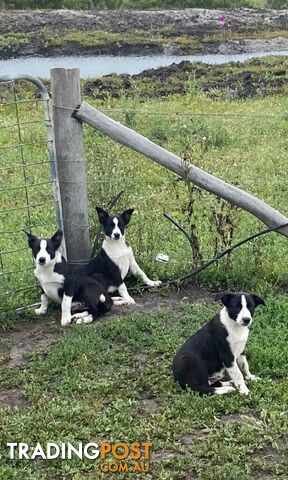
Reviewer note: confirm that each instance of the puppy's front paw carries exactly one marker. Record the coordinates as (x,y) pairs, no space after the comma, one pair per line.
(123,301)
(153,283)
(223,390)
(65,321)
(85,320)
(129,301)
(40,311)
(78,315)
(253,378)
(244,390)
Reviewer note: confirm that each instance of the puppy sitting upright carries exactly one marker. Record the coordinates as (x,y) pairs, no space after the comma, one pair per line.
(218,347)
(116,258)
(63,286)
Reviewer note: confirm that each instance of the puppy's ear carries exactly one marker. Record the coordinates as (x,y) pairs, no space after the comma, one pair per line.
(225,297)
(57,238)
(31,239)
(102,215)
(258,300)
(127,215)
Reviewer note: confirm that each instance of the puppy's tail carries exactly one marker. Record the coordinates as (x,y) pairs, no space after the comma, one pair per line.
(102,298)
(96,298)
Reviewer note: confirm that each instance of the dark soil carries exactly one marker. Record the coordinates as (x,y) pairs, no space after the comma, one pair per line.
(265,458)
(197,435)
(13,398)
(248,417)
(231,81)
(161,31)
(187,21)
(152,301)
(149,406)
(30,336)
(34,334)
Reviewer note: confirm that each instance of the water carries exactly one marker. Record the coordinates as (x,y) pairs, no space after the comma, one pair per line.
(98,66)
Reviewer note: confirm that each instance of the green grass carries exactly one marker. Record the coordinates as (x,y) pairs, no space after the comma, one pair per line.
(247,150)
(97,383)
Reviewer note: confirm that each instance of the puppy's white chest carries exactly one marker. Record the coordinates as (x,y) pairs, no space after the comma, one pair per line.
(50,282)
(237,341)
(120,254)
(122,263)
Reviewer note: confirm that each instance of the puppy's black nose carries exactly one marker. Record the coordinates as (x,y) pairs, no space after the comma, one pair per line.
(42,260)
(116,236)
(246,320)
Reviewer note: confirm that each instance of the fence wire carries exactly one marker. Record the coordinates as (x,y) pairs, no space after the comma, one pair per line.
(29,187)
(29,196)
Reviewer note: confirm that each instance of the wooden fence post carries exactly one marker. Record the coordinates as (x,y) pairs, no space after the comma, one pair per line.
(70,162)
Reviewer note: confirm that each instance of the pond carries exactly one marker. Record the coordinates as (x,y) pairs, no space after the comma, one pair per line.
(98,66)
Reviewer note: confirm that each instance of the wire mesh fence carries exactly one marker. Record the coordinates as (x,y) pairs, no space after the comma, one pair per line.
(246,148)
(28,184)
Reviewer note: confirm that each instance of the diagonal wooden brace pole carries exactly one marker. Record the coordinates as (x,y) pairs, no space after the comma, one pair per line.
(128,137)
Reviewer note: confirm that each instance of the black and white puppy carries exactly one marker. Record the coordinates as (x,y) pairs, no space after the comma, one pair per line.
(219,347)
(116,258)
(64,286)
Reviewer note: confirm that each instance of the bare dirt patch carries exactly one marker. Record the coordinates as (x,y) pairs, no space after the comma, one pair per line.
(149,406)
(13,398)
(164,455)
(269,455)
(4,352)
(30,336)
(258,475)
(248,417)
(196,435)
(149,302)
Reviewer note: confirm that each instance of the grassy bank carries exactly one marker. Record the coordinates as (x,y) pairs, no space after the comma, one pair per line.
(236,81)
(72,41)
(142,32)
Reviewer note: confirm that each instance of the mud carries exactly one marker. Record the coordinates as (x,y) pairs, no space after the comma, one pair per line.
(187,21)
(255,78)
(167,31)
